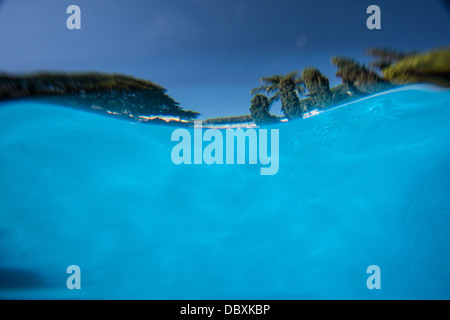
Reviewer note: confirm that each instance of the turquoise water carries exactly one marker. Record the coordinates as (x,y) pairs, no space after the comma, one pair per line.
(364,184)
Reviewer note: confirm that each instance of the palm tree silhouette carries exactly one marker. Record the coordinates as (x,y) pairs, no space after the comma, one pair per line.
(286,88)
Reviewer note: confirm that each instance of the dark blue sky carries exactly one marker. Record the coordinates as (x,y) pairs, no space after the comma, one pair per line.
(209,53)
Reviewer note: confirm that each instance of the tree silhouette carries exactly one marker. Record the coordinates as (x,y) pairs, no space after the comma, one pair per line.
(123,94)
(260,107)
(385,57)
(286,88)
(318,87)
(359,79)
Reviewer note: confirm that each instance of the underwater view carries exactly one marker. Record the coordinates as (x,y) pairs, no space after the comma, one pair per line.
(224,150)
(366,183)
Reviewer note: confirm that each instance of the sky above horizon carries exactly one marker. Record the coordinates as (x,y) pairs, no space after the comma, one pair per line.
(208,54)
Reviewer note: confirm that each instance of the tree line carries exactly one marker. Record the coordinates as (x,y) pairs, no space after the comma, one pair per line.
(301,92)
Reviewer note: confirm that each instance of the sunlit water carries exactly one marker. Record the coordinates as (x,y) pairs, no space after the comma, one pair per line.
(365,184)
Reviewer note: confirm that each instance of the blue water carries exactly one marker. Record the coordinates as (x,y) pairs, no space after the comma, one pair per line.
(364,184)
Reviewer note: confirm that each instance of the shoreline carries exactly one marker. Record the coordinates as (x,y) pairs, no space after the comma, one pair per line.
(143,101)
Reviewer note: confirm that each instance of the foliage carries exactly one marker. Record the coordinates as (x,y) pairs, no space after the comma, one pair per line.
(432,66)
(341,93)
(260,107)
(318,87)
(118,93)
(286,88)
(385,57)
(227,120)
(359,78)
